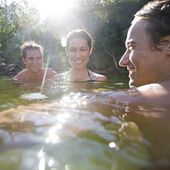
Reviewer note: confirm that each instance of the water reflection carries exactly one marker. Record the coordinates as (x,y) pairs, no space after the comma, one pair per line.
(41,157)
(33,96)
(154,125)
(52,134)
(79,129)
(74,100)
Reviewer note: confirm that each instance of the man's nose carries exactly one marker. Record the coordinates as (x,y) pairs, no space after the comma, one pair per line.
(35,60)
(123,62)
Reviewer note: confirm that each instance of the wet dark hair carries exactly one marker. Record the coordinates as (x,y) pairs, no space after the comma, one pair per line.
(157,14)
(79,33)
(30,45)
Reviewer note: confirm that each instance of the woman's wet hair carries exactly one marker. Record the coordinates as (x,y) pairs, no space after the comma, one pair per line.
(80,33)
(30,45)
(157,14)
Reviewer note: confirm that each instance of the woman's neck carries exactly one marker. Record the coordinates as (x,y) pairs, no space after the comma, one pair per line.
(79,75)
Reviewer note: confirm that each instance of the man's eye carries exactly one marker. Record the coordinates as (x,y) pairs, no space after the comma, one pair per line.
(130,48)
(31,58)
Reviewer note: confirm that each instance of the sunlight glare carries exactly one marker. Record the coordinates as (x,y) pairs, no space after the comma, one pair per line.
(42,160)
(52,134)
(113,145)
(63,42)
(55,8)
(74,100)
(51,163)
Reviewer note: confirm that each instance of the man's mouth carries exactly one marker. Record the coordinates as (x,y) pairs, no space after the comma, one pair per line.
(132,73)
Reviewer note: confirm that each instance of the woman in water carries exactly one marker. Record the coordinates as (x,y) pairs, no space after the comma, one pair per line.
(79,49)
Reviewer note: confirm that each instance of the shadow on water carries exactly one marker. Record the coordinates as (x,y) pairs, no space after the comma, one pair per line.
(75,127)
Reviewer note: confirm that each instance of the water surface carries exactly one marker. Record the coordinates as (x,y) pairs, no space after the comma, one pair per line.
(75,127)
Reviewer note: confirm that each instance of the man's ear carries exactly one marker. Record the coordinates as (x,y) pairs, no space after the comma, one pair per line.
(167,49)
(165,44)
(91,50)
(23,61)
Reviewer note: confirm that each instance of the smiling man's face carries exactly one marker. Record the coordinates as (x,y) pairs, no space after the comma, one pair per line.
(140,59)
(33,60)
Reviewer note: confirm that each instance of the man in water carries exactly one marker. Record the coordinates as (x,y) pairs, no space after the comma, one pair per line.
(32,76)
(147,56)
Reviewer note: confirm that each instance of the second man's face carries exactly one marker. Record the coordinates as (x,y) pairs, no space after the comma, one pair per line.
(33,60)
(140,59)
(78,52)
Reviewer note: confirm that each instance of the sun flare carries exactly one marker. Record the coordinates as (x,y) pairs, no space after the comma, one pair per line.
(56,8)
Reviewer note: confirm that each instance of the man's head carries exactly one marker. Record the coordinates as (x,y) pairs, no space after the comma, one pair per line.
(157,14)
(148,45)
(32,56)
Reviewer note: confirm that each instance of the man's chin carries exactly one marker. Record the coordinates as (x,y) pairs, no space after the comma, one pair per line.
(35,71)
(131,83)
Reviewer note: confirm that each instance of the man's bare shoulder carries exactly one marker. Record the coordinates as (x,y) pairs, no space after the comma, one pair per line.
(153,94)
(153,90)
(20,76)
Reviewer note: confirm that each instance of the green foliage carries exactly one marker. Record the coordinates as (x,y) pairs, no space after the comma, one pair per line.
(106,20)
(12,24)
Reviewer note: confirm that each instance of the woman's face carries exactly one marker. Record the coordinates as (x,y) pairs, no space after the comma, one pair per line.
(78,52)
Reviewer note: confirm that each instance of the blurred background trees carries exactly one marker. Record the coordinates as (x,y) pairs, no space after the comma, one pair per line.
(106,20)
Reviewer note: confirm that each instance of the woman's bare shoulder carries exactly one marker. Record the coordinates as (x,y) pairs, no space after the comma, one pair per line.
(62,76)
(97,76)
(50,73)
